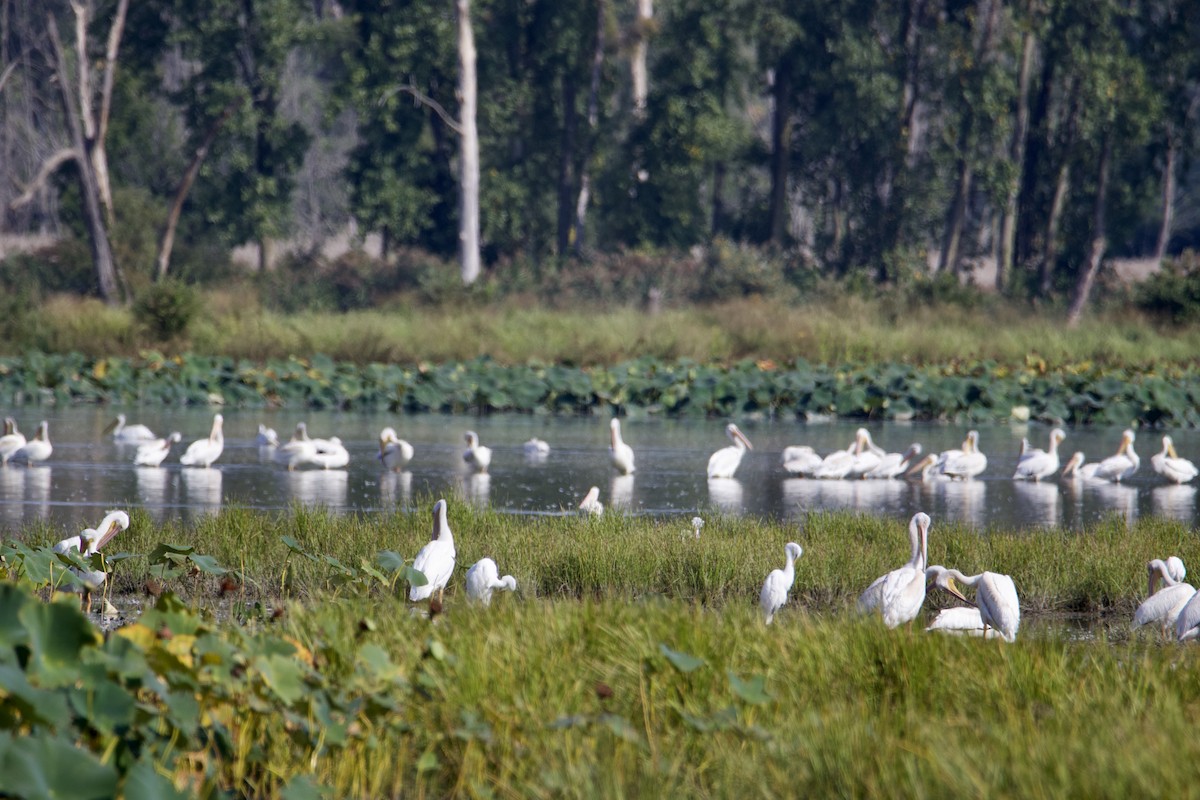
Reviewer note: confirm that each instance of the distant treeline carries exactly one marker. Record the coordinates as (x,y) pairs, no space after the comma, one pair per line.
(862,139)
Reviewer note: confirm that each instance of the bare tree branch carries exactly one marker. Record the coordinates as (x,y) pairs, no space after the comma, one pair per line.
(110,67)
(49,167)
(428,101)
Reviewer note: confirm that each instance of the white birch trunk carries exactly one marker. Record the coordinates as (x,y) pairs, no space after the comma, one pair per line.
(468,231)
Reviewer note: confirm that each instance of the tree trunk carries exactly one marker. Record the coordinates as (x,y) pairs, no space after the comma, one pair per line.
(1168,201)
(468,230)
(593,119)
(1099,242)
(781,147)
(1008,223)
(566,161)
(1050,245)
(951,242)
(99,149)
(641,82)
(718,205)
(102,257)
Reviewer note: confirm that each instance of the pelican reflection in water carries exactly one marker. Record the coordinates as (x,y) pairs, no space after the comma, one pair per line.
(37,491)
(1040,500)
(319,487)
(620,492)
(725,494)
(12,495)
(202,489)
(395,488)
(152,485)
(476,488)
(1177,501)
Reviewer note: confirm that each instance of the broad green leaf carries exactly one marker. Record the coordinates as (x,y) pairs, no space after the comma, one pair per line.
(681,661)
(40,766)
(752,690)
(145,782)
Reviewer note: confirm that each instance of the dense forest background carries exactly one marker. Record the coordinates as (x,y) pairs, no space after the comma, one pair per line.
(620,141)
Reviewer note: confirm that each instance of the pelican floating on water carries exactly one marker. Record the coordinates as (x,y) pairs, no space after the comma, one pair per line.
(267,437)
(1171,466)
(898,595)
(483,578)
(774,594)
(1036,464)
(129,434)
(1122,464)
(867,455)
(152,454)
(203,452)
(476,455)
(330,453)
(394,452)
(87,544)
(893,465)
(724,462)
(298,450)
(12,440)
(38,448)
(436,559)
(800,459)
(536,448)
(619,453)
(995,597)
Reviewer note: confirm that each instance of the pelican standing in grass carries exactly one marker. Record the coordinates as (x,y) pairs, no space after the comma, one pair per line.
(436,559)
(1122,464)
(483,578)
(898,595)
(774,594)
(1036,464)
(800,459)
(38,448)
(591,506)
(619,453)
(129,434)
(203,452)
(1164,605)
(88,544)
(476,455)
(1171,466)
(12,440)
(152,454)
(995,597)
(724,462)
(394,452)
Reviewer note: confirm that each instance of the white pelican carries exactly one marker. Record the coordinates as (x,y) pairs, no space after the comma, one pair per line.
(800,459)
(867,457)
(590,505)
(12,440)
(38,448)
(774,594)
(330,453)
(967,462)
(483,578)
(129,434)
(267,437)
(1163,606)
(299,449)
(619,453)
(893,465)
(203,452)
(995,597)
(960,620)
(436,559)
(1175,568)
(536,448)
(152,454)
(1036,464)
(1171,466)
(837,464)
(394,452)
(1123,464)
(724,462)
(899,594)
(476,455)
(87,544)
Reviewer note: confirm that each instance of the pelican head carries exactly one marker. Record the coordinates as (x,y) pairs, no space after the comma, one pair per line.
(1073,464)
(739,438)
(1057,436)
(918,526)
(441,528)
(1169,447)
(972,443)
(112,524)
(943,578)
(472,439)
(301,434)
(387,436)
(1126,440)
(175,436)
(923,465)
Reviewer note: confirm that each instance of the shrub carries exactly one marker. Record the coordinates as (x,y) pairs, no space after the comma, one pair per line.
(1173,293)
(166,309)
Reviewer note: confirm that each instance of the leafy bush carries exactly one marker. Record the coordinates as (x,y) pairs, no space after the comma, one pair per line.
(1173,293)
(166,309)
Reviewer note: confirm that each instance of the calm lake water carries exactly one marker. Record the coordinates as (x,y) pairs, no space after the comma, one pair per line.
(88,474)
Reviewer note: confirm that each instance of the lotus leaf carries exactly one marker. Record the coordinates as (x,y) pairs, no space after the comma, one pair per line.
(35,762)
(752,690)
(681,661)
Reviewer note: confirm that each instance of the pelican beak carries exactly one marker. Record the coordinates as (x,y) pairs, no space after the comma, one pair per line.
(110,427)
(1171,450)
(952,589)
(108,534)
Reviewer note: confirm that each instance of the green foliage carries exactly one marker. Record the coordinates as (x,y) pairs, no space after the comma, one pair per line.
(166,309)
(1173,293)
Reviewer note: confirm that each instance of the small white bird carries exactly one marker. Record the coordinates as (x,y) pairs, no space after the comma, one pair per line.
(995,597)
(1171,466)
(898,595)
(330,453)
(12,440)
(87,544)
(267,437)
(152,454)
(800,459)
(203,452)
(536,448)
(394,452)
(129,434)
(476,455)
(619,453)
(774,594)
(724,462)
(1036,464)
(591,506)
(436,559)
(483,578)
(1165,605)
(1122,464)
(38,448)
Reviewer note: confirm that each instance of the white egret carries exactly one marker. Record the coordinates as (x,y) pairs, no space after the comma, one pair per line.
(800,459)
(619,453)
(436,559)
(394,452)
(591,506)
(483,578)
(89,543)
(995,597)
(38,448)
(774,594)
(898,595)
(724,462)
(152,454)
(1171,466)
(1121,465)
(1036,464)
(893,465)
(1164,605)
(129,434)
(203,452)
(12,440)
(476,455)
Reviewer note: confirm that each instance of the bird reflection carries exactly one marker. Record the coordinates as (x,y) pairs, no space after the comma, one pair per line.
(1040,500)
(319,487)
(395,488)
(1117,498)
(476,488)
(726,494)
(152,489)
(202,487)
(620,494)
(37,489)
(964,501)
(1177,501)
(12,493)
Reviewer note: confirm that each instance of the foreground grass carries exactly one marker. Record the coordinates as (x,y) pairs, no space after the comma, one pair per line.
(825,330)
